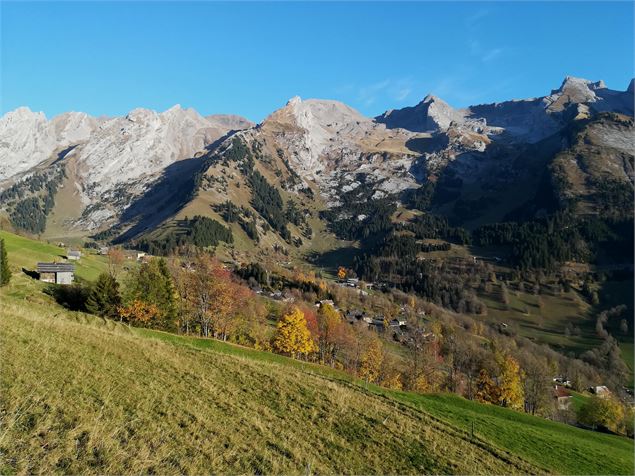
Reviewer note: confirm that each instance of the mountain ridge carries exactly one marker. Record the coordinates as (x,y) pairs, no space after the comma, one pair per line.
(322,147)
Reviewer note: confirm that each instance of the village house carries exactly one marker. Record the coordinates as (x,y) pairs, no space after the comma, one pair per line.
(74,255)
(103,250)
(397,322)
(562,381)
(562,396)
(58,273)
(601,391)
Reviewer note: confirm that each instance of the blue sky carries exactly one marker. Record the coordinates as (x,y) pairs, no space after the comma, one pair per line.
(250,58)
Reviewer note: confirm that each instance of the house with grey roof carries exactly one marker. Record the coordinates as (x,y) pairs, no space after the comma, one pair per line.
(74,255)
(58,273)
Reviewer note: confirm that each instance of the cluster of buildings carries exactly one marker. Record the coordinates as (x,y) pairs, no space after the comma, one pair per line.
(562,394)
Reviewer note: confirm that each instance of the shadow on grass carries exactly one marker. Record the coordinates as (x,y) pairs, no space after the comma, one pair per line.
(31,274)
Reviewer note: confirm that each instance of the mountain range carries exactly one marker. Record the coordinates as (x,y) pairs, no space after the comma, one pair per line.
(312,164)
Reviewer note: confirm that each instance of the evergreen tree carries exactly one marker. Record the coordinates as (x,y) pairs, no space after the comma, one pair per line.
(152,284)
(5,272)
(104,298)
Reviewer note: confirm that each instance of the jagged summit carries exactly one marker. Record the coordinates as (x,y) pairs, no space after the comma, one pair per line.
(431,114)
(581,84)
(524,119)
(311,113)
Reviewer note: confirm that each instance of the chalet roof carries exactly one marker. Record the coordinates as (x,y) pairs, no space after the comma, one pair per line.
(561,392)
(55,268)
(74,253)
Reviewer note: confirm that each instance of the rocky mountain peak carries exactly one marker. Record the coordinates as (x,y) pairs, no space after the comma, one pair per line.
(25,140)
(576,90)
(430,115)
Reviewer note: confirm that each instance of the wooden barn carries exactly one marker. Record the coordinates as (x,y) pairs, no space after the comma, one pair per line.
(58,273)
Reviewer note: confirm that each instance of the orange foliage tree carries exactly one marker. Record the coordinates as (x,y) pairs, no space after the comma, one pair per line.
(138,312)
(214,297)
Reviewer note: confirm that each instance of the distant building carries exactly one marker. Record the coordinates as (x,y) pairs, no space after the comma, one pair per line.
(74,255)
(58,273)
(140,255)
(103,250)
(562,397)
(397,322)
(601,391)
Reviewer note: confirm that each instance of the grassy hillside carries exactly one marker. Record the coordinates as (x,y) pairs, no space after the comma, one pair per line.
(25,253)
(83,394)
(98,398)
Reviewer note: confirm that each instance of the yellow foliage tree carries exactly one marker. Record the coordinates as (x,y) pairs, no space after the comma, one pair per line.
(341,273)
(602,412)
(510,383)
(371,360)
(292,334)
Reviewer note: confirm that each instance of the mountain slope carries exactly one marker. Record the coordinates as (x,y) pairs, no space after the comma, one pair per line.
(108,164)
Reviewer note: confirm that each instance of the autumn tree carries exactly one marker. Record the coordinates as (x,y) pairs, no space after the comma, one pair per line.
(371,361)
(536,385)
(486,389)
(104,298)
(213,296)
(230,316)
(331,333)
(139,313)
(116,257)
(341,273)
(5,272)
(601,412)
(421,374)
(510,383)
(180,269)
(292,335)
(390,375)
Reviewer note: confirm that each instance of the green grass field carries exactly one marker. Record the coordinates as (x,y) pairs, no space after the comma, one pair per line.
(25,253)
(80,394)
(547,323)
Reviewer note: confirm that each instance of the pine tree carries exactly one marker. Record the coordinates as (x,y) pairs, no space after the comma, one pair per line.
(104,298)
(152,284)
(5,272)
(292,334)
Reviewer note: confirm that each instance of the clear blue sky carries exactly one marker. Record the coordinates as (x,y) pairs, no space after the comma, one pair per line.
(250,58)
